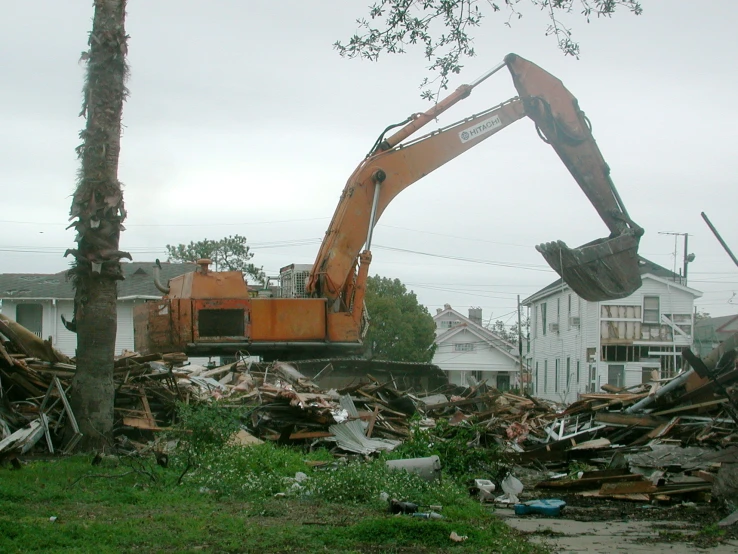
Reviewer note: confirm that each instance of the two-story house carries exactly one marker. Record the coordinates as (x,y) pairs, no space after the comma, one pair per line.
(577,346)
(465,348)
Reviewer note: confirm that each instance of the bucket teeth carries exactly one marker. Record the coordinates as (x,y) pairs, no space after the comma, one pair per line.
(605,269)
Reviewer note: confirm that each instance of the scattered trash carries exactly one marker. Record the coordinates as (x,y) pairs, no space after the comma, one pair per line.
(456,537)
(397,507)
(427,515)
(485,488)
(428,468)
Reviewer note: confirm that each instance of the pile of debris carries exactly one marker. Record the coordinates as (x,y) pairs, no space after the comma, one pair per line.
(664,439)
(670,440)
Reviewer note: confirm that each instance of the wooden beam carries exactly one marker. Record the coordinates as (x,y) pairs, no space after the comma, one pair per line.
(628,420)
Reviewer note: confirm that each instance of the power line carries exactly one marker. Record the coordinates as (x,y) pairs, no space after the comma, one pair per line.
(530,267)
(244,223)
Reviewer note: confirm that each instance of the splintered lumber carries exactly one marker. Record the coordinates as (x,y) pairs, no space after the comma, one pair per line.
(463,402)
(587,482)
(646,487)
(628,420)
(690,407)
(4,354)
(31,344)
(23,439)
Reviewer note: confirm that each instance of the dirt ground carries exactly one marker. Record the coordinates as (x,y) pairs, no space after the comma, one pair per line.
(617,526)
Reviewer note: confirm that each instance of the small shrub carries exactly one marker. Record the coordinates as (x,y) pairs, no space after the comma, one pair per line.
(204,427)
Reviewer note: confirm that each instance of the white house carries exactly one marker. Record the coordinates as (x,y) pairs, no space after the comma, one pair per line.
(576,346)
(464,348)
(38,301)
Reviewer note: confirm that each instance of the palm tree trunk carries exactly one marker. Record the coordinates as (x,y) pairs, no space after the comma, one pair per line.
(98,208)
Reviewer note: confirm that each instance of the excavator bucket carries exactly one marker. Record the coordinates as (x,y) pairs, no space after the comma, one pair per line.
(604,269)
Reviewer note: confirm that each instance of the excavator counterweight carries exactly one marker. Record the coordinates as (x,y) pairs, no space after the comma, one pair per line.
(320,311)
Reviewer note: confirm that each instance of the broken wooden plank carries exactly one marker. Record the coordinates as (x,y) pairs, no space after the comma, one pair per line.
(586,483)
(628,420)
(692,407)
(372,422)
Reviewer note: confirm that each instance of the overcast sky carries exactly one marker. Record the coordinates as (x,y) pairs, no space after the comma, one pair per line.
(243,119)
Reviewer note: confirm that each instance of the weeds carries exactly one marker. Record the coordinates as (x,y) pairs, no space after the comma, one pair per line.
(461,449)
(132,513)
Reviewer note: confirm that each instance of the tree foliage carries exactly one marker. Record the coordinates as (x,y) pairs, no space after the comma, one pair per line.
(443,28)
(400,328)
(509,333)
(227,254)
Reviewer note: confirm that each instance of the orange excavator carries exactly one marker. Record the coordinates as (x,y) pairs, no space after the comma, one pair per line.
(320,310)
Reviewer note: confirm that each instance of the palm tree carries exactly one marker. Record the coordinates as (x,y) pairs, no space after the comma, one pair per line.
(98,212)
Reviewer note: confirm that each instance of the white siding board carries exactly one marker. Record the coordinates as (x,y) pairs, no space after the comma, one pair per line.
(65,341)
(124,336)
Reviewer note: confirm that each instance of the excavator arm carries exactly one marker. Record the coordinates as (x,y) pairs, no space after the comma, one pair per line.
(603,269)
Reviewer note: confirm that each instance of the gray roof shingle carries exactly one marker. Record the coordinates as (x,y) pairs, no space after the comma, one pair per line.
(139,281)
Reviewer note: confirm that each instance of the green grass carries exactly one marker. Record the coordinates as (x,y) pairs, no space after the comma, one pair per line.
(106,511)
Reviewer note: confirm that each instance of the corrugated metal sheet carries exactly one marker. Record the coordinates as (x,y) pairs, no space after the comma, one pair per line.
(351,436)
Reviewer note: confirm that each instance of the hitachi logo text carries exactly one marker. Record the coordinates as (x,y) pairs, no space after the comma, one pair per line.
(481,128)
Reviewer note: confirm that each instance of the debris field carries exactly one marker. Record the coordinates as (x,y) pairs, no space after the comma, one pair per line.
(669,440)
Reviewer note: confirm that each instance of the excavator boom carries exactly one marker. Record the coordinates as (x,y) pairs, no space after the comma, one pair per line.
(601,270)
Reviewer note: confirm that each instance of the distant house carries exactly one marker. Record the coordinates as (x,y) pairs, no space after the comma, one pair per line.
(466,349)
(577,346)
(711,331)
(38,301)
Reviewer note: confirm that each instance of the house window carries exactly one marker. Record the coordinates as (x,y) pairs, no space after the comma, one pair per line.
(545,376)
(556,375)
(648,374)
(577,372)
(568,314)
(535,386)
(616,375)
(543,317)
(448,324)
(592,377)
(463,347)
(651,309)
(503,383)
(568,373)
(31,317)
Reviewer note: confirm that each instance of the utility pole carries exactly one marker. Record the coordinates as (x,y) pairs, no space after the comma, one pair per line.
(720,239)
(686,258)
(520,348)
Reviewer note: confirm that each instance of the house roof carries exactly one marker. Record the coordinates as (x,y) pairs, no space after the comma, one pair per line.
(138,282)
(493,339)
(646,267)
(715,326)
